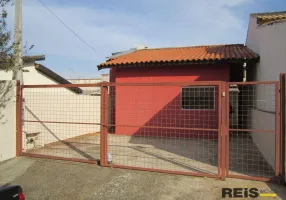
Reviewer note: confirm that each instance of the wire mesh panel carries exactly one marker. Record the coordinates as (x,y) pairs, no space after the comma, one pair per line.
(253,132)
(170,128)
(61,121)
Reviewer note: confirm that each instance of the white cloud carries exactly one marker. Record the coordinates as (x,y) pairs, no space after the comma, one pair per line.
(154,23)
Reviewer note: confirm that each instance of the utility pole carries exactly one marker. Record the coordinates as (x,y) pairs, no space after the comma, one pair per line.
(17,72)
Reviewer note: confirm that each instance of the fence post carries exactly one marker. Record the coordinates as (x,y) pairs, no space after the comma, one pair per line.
(19,101)
(103,125)
(282,125)
(223,128)
(277,130)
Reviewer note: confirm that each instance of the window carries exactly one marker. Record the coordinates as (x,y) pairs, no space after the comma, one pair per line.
(198,98)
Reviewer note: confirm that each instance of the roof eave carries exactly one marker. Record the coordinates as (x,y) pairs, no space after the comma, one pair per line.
(34,58)
(242,60)
(56,77)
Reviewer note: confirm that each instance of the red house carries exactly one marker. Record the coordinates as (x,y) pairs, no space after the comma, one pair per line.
(169,110)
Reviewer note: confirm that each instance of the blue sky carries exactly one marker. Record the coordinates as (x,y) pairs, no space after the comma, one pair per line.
(112,25)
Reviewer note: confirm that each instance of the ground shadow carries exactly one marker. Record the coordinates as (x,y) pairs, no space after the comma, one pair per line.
(280,190)
(69,144)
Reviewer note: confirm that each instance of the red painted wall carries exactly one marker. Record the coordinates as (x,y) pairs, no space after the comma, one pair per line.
(161,105)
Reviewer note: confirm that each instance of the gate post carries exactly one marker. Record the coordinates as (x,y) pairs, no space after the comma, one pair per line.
(224,128)
(283,126)
(19,101)
(277,131)
(103,125)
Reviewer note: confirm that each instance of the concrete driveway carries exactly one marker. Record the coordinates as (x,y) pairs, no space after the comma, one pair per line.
(176,154)
(50,179)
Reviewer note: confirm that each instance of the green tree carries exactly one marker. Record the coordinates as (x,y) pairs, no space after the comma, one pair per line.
(7,62)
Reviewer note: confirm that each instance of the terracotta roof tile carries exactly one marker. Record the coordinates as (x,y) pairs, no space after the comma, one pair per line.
(270,17)
(192,54)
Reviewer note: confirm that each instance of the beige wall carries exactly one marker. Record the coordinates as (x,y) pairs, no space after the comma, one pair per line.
(59,105)
(7,120)
(270,43)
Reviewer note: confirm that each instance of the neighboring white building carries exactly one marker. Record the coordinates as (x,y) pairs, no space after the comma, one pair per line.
(90,90)
(63,105)
(7,119)
(267,37)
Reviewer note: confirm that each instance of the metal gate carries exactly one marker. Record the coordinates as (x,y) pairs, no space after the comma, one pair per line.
(212,129)
(59,121)
(163,127)
(253,136)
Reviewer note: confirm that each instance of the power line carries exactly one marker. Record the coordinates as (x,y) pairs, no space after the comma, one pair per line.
(67,26)
(73,72)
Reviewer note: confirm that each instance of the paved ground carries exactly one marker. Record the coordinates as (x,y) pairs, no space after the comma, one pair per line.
(189,155)
(50,179)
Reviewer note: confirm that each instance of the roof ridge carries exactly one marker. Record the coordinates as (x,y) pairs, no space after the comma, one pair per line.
(273,22)
(268,13)
(119,56)
(197,46)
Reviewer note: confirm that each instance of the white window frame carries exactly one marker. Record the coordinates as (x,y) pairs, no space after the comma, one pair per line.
(198,87)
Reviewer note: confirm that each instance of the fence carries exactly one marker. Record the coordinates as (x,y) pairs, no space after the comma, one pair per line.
(164,127)
(60,121)
(206,129)
(253,139)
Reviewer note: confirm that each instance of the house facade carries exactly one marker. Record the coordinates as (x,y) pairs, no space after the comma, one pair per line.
(266,36)
(158,104)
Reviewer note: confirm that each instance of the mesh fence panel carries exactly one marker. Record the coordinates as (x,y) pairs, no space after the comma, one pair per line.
(171,128)
(252,135)
(61,122)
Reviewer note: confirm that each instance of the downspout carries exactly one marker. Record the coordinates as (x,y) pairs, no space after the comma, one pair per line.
(244,72)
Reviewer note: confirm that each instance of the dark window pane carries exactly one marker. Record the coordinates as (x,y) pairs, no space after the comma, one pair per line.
(198,98)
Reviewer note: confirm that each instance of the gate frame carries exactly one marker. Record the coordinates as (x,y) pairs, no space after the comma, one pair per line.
(283,126)
(19,121)
(220,145)
(277,131)
(19,115)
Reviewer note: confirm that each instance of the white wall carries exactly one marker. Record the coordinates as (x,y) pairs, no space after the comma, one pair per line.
(31,77)
(270,43)
(8,75)
(7,120)
(265,142)
(87,90)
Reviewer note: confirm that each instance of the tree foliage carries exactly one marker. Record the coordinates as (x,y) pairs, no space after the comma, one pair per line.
(6,45)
